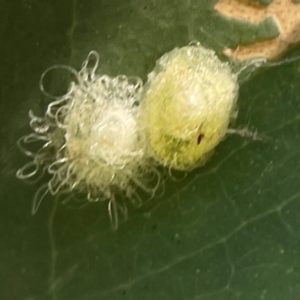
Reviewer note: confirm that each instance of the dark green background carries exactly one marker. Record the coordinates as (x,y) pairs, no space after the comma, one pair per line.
(228,231)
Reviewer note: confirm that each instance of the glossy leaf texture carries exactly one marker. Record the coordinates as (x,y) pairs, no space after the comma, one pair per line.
(229,230)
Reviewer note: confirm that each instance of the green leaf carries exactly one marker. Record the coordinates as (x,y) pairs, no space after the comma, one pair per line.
(263,2)
(229,230)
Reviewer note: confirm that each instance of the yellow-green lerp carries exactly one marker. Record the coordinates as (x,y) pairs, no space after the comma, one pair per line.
(189,101)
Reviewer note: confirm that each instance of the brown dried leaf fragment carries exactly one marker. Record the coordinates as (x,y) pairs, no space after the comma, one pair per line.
(286,15)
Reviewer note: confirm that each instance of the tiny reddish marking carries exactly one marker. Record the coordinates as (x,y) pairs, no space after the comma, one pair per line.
(200,137)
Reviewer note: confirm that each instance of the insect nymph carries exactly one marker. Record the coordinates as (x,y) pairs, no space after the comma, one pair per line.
(107,135)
